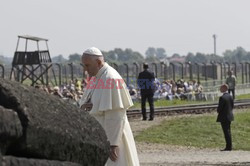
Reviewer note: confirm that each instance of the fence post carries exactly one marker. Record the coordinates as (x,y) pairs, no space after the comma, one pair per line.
(173,67)
(228,65)
(249,72)
(242,72)
(164,70)
(246,64)
(65,74)
(213,72)
(136,69)
(182,70)
(205,72)
(221,73)
(136,72)
(60,73)
(198,71)
(71,71)
(190,70)
(2,66)
(154,64)
(127,73)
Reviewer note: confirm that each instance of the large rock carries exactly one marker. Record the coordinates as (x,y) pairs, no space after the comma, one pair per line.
(16,161)
(10,128)
(52,128)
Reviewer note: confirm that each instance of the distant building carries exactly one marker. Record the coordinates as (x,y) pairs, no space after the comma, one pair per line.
(173,60)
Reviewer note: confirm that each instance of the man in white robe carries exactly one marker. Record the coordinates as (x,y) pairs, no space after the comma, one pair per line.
(107,99)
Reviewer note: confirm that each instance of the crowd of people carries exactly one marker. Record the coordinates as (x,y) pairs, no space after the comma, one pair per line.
(71,91)
(166,89)
(169,90)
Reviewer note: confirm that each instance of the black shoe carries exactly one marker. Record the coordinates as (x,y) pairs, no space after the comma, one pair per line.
(151,119)
(226,149)
(144,119)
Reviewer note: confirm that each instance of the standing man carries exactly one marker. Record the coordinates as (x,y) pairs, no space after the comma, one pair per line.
(145,82)
(225,115)
(107,99)
(231,82)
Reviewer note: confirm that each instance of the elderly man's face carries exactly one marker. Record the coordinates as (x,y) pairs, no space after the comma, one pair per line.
(90,65)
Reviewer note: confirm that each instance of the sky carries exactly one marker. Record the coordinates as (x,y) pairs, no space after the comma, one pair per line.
(178,26)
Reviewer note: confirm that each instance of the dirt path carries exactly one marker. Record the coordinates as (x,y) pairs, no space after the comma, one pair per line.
(161,155)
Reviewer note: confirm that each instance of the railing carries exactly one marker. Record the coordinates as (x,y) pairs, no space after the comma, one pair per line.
(172,71)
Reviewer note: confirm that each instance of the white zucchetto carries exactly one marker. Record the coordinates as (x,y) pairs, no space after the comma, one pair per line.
(93,51)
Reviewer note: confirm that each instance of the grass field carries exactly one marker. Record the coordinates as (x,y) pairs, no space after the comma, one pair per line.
(245,96)
(199,131)
(176,102)
(163,103)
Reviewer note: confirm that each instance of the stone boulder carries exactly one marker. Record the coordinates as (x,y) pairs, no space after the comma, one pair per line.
(10,128)
(52,128)
(16,161)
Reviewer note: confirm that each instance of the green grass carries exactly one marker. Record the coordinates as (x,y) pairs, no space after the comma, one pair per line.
(199,131)
(244,96)
(175,102)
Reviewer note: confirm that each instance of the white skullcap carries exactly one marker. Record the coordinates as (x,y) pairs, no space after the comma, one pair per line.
(93,51)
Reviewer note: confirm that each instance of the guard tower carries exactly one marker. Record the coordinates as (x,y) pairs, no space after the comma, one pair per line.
(32,65)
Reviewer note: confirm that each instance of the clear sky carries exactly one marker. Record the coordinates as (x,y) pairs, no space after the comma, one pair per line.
(179,26)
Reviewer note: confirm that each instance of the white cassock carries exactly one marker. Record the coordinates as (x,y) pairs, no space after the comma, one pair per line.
(111,99)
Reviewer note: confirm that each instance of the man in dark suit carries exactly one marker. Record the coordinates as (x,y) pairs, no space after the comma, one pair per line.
(225,115)
(145,82)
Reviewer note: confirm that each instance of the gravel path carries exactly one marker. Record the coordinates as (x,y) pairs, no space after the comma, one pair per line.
(161,155)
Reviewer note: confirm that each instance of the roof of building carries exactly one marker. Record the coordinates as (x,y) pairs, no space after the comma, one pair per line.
(32,38)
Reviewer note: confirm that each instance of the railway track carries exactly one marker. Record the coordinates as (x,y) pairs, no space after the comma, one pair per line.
(187,109)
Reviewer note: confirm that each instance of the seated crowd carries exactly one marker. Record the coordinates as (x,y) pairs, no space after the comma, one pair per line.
(169,89)
(72,91)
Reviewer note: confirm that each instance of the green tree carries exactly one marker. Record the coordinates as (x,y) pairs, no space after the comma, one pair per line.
(75,58)
(247,56)
(151,52)
(160,53)
(137,57)
(110,56)
(175,55)
(237,55)
(120,56)
(190,57)
(240,54)
(59,59)
(228,56)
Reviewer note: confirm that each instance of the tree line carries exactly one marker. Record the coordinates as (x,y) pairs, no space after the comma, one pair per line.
(120,56)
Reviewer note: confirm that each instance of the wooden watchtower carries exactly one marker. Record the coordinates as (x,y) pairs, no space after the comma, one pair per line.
(32,65)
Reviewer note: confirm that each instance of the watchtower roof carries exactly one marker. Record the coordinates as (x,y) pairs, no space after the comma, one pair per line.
(32,38)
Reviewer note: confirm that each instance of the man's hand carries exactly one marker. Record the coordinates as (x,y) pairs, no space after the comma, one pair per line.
(114,151)
(87,106)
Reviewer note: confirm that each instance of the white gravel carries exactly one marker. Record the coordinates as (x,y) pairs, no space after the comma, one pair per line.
(161,155)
